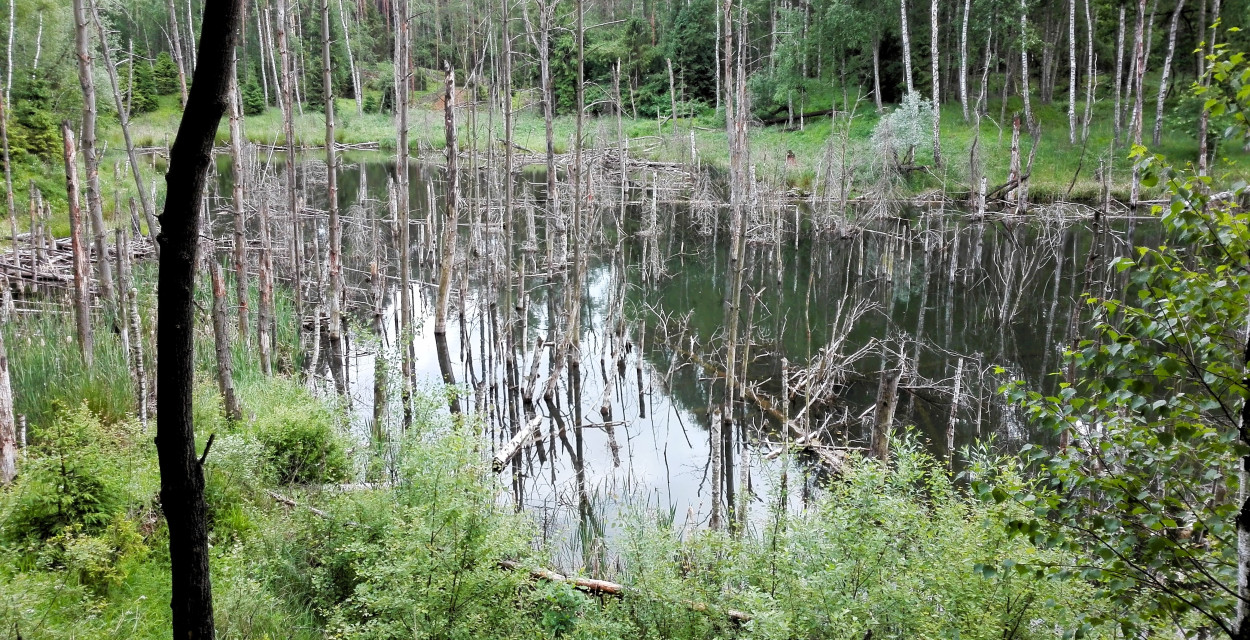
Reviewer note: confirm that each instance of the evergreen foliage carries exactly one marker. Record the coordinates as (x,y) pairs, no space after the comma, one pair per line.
(143,93)
(165,74)
(34,127)
(253,98)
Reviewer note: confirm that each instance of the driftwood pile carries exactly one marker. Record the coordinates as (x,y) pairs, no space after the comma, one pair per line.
(50,264)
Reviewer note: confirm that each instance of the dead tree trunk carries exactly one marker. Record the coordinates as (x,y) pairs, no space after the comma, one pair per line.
(403,65)
(887,401)
(131,319)
(236,191)
(451,219)
(182,475)
(82,279)
(287,83)
(8,422)
(221,338)
(8,177)
(91,162)
(335,249)
(264,298)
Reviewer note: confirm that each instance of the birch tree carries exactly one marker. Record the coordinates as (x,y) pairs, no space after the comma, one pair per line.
(937,95)
(1167,72)
(902,4)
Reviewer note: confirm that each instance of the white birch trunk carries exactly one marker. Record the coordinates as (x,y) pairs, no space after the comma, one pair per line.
(911,88)
(963,60)
(1167,71)
(936,71)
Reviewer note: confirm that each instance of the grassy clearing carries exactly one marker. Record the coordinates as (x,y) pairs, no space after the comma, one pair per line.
(1061,170)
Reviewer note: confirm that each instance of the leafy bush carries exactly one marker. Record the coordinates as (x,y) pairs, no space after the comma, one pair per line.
(298,435)
(899,133)
(95,561)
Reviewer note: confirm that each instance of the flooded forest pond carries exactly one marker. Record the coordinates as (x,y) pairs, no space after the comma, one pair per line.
(835,309)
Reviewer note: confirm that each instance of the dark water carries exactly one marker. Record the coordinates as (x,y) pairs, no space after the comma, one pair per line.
(920,288)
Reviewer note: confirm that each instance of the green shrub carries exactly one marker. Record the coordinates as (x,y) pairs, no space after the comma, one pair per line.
(76,477)
(95,561)
(298,435)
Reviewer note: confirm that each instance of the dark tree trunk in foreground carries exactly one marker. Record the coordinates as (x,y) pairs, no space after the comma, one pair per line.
(182,476)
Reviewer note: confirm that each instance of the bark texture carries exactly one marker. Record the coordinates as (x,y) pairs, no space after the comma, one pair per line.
(182,475)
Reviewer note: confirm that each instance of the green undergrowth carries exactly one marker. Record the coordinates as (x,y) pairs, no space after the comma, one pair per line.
(901,551)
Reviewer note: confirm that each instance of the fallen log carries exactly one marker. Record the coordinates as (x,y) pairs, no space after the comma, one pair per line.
(605,588)
(514,446)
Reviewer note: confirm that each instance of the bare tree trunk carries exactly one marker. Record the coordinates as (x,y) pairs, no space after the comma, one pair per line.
(335,249)
(573,311)
(963,60)
(237,144)
(131,319)
(1167,72)
(351,61)
(182,475)
(936,71)
(287,83)
(876,73)
(177,51)
(1091,72)
(262,39)
(1071,71)
(1140,71)
(1119,73)
(403,68)
(887,401)
(123,113)
(672,94)
(90,160)
(264,306)
(906,47)
(8,184)
(82,284)
(38,43)
(1204,117)
(221,338)
(8,423)
(451,219)
(1024,61)
(190,40)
